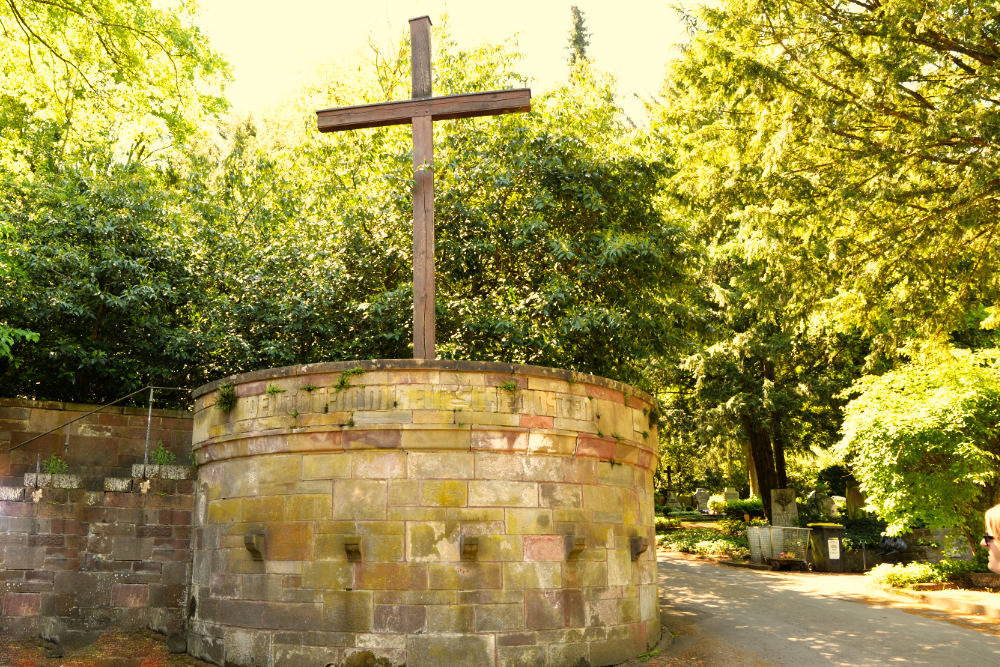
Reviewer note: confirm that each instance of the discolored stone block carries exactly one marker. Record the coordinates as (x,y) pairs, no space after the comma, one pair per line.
(444,493)
(432,541)
(129,595)
(379,465)
(544,547)
(499,617)
(450,618)
(359,499)
(501,493)
(543,609)
(464,576)
(290,541)
(328,574)
(347,611)
(518,576)
(387,576)
(22,604)
(308,507)
(521,656)
(400,618)
(440,465)
(528,521)
(445,649)
(326,466)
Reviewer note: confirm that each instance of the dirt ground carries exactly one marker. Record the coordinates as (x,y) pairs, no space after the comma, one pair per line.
(112,649)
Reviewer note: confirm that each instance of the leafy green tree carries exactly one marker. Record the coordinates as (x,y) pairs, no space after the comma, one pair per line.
(924,441)
(579,37)
(852,144)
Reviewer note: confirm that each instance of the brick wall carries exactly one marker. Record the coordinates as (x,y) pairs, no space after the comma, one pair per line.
(73,562)
(103,444)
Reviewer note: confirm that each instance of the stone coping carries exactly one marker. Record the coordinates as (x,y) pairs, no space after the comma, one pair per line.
(86,407)
(424,364)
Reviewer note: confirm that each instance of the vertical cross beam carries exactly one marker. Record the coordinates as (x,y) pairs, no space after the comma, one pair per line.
(423,194)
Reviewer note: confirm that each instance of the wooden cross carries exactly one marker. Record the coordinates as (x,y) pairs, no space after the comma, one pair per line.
(420,112)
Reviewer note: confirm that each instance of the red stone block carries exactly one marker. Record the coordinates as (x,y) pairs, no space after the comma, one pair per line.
(595,447)
(646,459)
(22,604)
(536,421)
(544,547)
(636,403)
(373,439)
(606,394)
(290,541)
(129,595)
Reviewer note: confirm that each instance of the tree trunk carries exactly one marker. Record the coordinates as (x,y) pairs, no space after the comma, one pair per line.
(763,460)
(778,440)
(754,486)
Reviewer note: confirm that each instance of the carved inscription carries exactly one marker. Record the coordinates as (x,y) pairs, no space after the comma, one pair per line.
(410,397)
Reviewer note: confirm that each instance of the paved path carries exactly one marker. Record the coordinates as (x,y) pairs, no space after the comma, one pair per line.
(733,616)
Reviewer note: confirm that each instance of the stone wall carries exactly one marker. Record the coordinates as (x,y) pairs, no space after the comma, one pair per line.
(431,513)
(104,444)
(73,562)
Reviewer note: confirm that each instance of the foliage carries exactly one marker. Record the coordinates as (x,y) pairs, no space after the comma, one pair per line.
(277,246)
(664,523)
(736,509)
(161,456)
(225,397)
(55,465)
(900,575)
(716,503)
(9,336)
(835,479)
(738,527)
(928,430)
(579,37)
(705,542)
(862,532)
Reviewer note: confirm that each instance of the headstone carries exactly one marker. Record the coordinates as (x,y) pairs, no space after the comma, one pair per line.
(730,494)
(784,511)
(822,504)
(672,502)
(856,501)
(701,496)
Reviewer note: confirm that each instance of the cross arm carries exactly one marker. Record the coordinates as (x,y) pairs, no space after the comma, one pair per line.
(438,108)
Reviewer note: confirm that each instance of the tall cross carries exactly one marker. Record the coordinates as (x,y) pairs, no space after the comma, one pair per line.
(420,111)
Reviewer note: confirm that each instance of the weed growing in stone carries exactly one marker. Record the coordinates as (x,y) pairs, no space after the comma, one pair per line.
(509,385)
(225,397)
(274,389)
(309,388)
(54,465)
(345,378)
(161,456)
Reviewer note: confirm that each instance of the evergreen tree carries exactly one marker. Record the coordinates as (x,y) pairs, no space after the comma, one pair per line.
(579,38)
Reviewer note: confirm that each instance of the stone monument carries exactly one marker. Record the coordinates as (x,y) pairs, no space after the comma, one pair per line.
(784,511)
(701,497)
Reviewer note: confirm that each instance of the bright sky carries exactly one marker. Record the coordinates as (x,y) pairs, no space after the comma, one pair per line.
(273,46)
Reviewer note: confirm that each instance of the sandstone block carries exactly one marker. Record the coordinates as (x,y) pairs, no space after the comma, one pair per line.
(290,541)
(560,495)
(461,576)
(347,611)
(326,466)
(331,575)
(506,440)
(450,437)
(443,649)
(501,548)
(499,617)
(520,576)
(262,509)
(444,493)
(431,541)
(441,465)
(543,442)
(528,521)
(451,618)
(308,507)
(404,492)
(359,499)
(379,465)
(400,618)
(385,576)
(500,493)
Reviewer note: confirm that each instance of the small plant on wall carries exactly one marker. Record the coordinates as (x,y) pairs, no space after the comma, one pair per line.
(54,465)
(225,398)
(161,456)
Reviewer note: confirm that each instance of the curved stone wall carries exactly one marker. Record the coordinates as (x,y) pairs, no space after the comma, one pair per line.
(427,512)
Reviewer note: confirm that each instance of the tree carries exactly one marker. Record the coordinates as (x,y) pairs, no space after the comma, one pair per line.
(834,160)
(924,441)
(853,141)
(579,38)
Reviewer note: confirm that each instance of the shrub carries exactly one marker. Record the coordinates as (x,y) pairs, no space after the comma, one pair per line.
(862,532)
(663,523)
(735,509)
(887,574)
(706,542)
(225,398)
(161,456)
(717,503)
